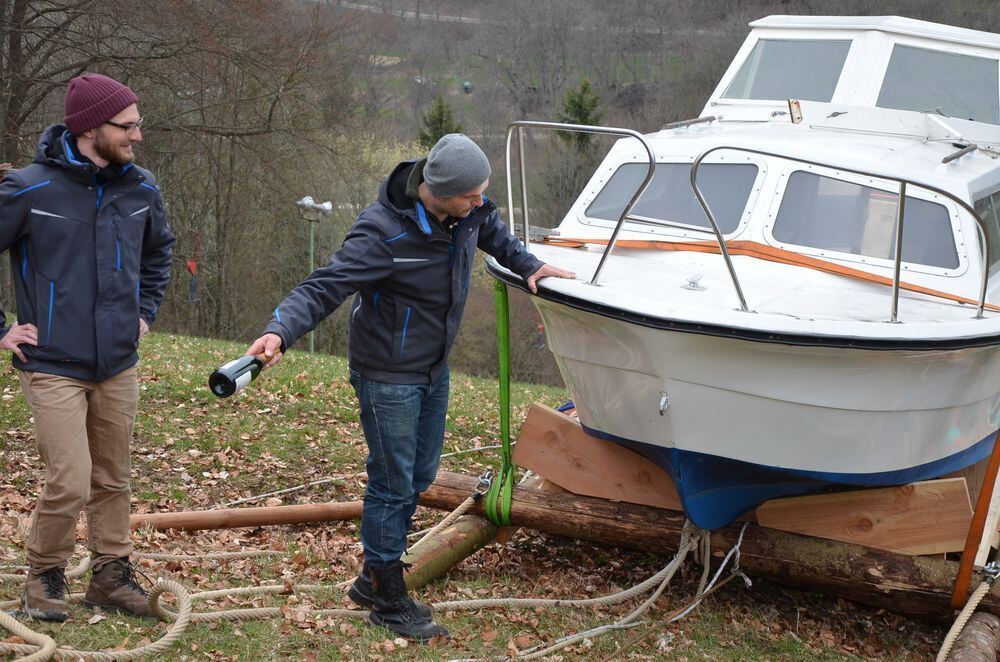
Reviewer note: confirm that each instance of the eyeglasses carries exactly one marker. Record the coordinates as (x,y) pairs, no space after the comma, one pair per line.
(129,128)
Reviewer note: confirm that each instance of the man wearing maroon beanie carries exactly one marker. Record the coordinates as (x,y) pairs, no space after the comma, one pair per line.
(91,250)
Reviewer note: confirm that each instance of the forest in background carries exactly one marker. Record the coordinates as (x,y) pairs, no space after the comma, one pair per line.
(252,104)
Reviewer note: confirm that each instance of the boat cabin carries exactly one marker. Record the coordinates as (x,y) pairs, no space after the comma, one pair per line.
(813,127)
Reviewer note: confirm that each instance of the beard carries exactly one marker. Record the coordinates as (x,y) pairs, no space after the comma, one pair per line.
(110,151)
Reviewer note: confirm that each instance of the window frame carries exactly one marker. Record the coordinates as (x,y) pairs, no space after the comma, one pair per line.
(724,90)
(994,200)
(673,229)
(912,191)
(924,45)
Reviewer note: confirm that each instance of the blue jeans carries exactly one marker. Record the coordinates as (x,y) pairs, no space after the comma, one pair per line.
(404,428)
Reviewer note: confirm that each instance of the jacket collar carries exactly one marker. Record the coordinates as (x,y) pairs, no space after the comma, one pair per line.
(57,148)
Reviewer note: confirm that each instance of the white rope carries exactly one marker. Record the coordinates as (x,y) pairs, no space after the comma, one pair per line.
(42,647)
(962,618)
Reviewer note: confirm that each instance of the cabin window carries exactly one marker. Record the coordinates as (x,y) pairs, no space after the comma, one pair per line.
(669,198)
(834,215)
(959,86)
(790,69)
(989,209)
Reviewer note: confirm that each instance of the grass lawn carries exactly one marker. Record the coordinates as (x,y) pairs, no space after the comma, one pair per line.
(297,424)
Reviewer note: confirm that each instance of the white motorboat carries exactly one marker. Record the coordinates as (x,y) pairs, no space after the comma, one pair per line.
(757,334)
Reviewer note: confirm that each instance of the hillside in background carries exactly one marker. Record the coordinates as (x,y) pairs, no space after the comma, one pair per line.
(251,105)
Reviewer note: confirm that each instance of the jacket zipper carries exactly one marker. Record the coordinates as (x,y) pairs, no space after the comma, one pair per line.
(52,303)
(406,323)
(118,245)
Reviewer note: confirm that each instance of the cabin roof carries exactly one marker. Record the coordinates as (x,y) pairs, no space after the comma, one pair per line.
(889,24)
(912,158)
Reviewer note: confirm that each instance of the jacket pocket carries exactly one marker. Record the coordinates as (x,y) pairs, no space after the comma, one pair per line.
(404,316)
(45,307)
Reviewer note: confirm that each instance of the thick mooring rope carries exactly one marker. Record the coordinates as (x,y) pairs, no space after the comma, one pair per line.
(40,647)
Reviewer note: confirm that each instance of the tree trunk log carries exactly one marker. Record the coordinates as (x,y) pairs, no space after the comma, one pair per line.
(437,555)
(979,641)
(918,586)
(228,518)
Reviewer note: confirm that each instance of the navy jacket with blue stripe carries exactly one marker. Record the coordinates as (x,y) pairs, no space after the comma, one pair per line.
(411,280)
(88,260)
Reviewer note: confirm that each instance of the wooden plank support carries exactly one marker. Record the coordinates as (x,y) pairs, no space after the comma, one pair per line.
(929,517)
(919,586)
(228,518)
(555,446)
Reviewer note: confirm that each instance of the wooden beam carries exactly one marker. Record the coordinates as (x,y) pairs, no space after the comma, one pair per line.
(930,517)
(555,446)
(449,547)
(228,518)
(979,641)
(918,586)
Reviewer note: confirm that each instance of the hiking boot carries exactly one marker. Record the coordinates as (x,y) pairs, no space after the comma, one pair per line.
(113,588)
(361,592)
(45,595)
(393,609)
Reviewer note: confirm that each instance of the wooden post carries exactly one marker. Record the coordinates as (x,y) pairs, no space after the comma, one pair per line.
(963,576)
(228,518)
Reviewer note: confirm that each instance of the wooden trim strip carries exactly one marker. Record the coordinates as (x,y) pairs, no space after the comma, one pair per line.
(764,252)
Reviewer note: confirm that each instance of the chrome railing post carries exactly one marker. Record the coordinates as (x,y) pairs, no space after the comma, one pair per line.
(897,263)
(519,125)
(716,230)
(524,184)
(980,224)
(510,185)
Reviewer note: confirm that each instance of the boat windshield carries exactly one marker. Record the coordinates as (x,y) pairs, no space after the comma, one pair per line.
(835,215)
(955,85)
(989,209)
(790,69)
(669,199)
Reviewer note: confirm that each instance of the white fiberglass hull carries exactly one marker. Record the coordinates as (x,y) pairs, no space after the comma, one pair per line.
(826,410)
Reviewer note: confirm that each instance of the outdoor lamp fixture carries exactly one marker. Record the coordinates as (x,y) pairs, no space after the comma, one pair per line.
(312,211)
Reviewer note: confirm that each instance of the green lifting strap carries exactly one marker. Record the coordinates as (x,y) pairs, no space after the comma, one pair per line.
(501,489)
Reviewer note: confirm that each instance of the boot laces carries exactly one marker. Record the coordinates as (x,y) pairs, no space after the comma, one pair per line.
(54,581)
(126,576)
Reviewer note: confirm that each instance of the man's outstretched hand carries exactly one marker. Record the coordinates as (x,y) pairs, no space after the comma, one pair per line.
(19,334)
(547,270)
(268,347)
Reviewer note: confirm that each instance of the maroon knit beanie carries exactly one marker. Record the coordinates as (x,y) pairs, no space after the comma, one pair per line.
(93,99)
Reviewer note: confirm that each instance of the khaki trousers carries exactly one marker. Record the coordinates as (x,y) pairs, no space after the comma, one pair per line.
(83,430)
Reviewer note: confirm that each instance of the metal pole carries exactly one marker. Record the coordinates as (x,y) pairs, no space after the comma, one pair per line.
(312,263)
(311,212)
(900,206)
(718,233)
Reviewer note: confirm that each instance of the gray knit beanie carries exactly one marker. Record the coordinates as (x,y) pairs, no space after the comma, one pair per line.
(455,166)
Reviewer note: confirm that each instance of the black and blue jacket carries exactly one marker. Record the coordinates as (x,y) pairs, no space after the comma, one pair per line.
(89,259)
(411,278)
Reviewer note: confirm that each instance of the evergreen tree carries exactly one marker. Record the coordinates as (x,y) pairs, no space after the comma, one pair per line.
(439,121)
(580,107)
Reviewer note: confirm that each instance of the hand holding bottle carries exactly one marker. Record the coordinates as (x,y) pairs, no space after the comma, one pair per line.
(268,348)
(233,376)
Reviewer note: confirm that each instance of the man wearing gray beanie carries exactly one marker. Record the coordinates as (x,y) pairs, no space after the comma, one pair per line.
(408,260)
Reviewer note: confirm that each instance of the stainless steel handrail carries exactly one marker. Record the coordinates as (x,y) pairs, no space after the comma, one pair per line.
(520,125)
(902,182)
